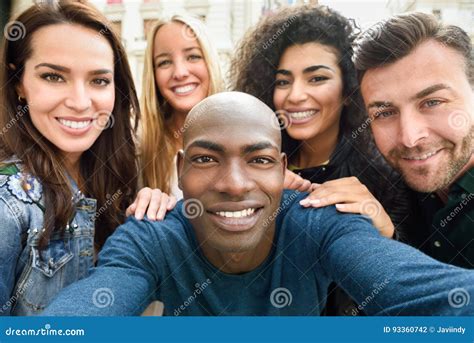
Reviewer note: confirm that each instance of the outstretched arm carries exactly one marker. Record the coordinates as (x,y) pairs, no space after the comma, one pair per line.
(123,283)
(387,277)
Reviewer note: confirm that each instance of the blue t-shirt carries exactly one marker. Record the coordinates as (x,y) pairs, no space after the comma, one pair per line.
(145,261)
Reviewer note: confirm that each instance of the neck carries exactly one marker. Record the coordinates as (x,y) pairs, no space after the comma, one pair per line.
(72,165)
(317,150)
(443,193)
(241,262)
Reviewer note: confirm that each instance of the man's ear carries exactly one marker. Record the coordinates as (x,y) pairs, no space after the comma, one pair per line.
(284,162)
(180,166)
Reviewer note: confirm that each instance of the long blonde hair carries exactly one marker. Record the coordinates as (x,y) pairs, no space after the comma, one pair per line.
(156,139)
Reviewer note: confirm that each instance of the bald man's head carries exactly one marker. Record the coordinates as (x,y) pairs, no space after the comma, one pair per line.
(223,111)
(232,166)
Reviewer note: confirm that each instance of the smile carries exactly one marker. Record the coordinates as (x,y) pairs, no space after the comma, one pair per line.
(236,221)
(422,157)
(76,125)
(302,115)
(185,89)
(236,214)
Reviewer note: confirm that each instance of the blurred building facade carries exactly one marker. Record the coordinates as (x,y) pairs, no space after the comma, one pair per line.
(459,13)
(228,20)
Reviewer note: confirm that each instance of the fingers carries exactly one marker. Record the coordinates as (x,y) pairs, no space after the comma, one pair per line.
(337,191)
(296,182)
(142,201)
(131,209)
(373,209)
(305,186)
(155,204)
(171,202)
(330,198)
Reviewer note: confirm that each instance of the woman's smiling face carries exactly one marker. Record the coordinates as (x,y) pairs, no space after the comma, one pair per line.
(68,84)
(309,90)
(181,72)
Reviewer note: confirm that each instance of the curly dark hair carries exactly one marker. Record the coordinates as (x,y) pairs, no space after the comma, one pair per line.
(257,57)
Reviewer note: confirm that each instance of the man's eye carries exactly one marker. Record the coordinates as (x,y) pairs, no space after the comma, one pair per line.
(383,114)
(203,159)
(432,103)
(262,160)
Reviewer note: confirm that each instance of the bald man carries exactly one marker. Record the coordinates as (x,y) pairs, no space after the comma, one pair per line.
(240,245)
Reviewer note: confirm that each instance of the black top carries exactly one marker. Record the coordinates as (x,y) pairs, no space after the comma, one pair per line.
(385,184)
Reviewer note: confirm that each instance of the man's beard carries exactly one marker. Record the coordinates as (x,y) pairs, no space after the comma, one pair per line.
(447,172)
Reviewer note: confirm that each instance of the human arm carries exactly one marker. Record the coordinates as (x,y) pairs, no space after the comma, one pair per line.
(351,196)
(386,277)
(122,284)
(10,250)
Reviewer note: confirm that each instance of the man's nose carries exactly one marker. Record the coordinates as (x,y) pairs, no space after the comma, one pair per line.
(413,127)
(234,180)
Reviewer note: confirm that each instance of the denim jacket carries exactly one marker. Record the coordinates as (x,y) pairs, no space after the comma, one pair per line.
(30,278)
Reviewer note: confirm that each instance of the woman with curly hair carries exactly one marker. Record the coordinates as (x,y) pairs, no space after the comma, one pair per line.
(298,61)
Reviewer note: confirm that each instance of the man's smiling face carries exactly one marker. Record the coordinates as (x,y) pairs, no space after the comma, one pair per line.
(422,109)
(232,164)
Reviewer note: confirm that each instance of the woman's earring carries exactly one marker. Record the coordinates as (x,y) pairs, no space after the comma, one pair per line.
(20,99)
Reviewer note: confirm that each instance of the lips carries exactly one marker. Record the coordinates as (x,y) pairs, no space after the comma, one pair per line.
(184,89)
(301,116)
(74,124)
(421,157)
(235,217)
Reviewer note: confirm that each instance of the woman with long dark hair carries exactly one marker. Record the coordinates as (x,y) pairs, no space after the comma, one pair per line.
(68,159)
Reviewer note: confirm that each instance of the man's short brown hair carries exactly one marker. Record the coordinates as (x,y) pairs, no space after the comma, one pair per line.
(395,38)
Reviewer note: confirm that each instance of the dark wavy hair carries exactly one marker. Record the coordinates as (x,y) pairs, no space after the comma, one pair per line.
(109,167)
(258,54)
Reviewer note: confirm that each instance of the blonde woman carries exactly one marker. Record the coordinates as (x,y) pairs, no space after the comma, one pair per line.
(181,69)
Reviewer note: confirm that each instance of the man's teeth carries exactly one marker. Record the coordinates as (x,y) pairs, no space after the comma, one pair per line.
(236,214)
(422,157)
(74,124)
(184,89)
(302,115)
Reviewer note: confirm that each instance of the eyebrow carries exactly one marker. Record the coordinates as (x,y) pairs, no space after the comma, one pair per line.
(379,104)
(430,90)
(185,50)
(258,146)
(425,92)
(67,70)
(305,70)
(207,145)
(247,149)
